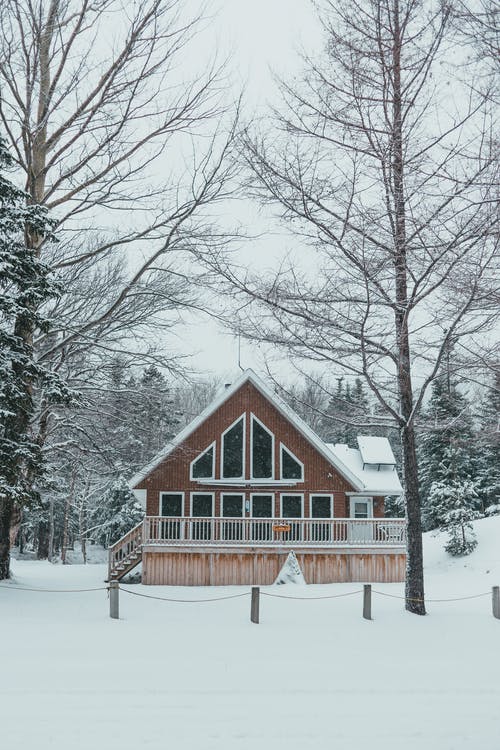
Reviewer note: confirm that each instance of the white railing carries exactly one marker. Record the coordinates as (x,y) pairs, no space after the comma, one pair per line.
(275,531)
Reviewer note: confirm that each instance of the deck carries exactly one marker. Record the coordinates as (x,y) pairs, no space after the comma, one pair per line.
(159,530)
(221,551)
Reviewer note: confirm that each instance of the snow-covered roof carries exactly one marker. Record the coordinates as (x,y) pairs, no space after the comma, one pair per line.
(355,477)
(383,481)
(376,450)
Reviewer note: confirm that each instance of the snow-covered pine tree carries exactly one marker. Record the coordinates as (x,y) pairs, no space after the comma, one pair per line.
(446,446)
(488,462)
(453,505)
(25,285)
(347,413)
(116,513)
(155,418)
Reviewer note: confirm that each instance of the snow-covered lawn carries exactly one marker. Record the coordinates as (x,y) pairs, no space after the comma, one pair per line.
(313,674)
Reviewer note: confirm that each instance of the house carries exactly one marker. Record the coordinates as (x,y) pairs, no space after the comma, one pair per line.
(248,481)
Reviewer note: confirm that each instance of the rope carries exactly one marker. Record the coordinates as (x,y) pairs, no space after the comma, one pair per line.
(55,591)
(310,598)
(184,601)
(410,599)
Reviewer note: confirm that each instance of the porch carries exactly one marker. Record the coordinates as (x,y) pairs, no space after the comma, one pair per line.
(221,551)
(222,531)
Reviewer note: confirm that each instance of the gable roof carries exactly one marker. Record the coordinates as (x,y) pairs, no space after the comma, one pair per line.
(336,459)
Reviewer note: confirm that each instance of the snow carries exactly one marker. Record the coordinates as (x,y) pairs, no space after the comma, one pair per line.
(312,675)
(375,450)
(291,572)
(383,481)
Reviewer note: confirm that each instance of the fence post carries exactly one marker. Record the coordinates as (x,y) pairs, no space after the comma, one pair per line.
(114,606)
(367,601)
(495,600)
(254,608)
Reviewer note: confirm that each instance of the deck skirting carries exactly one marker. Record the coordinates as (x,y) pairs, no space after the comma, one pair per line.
(209,566)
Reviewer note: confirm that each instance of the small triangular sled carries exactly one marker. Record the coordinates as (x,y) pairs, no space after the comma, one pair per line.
(290,572)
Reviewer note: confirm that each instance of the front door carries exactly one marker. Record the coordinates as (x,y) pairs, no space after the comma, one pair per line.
(361,528)
(262,509)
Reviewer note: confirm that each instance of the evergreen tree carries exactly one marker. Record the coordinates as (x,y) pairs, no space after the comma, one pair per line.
(446,449)
(488,464)
(25,285)
(155,420)
(347,413)
(116,513)
(452,504)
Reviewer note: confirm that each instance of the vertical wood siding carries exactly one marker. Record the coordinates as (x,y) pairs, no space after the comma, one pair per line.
(244,568)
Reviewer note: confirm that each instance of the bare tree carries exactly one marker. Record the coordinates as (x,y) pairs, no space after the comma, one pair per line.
(381,161)
(124,140)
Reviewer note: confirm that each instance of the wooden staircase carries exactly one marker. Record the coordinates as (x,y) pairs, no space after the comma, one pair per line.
(125,554)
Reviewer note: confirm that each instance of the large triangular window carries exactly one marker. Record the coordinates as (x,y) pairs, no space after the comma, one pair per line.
(291,467)
(203,467)
(262,451)
(233,451)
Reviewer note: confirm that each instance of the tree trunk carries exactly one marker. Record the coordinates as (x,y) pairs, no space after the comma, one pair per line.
(414,570)
(50,552)
(414,561)
(5,519)
(15,523)
(69,502)
(42,552)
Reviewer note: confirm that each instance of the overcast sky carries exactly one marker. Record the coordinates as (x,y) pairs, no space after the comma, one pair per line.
(262,36)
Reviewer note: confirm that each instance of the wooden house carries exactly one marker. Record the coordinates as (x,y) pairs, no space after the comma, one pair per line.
(247,482)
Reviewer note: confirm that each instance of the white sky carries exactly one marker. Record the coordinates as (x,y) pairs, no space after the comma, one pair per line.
(262,36)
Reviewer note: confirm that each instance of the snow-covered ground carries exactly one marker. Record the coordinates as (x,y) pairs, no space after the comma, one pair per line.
(313,674)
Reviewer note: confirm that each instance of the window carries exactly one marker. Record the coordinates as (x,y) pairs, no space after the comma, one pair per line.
(262,451)
(232,451)
(262,513)
(291,467)
(203,466)
(171,504)
(361,509)
(321,506)
(232,507)
(262,506)
(291,506)
(201,506)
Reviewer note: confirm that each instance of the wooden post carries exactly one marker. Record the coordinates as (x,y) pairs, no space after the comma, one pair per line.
(495,600)
(114,607)
(367,601)
(254,609)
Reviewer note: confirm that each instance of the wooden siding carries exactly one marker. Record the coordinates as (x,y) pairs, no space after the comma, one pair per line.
(172,475)
(184,567)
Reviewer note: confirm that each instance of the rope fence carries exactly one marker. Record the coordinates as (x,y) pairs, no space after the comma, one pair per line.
(114,589)
(184,601)
(55,591)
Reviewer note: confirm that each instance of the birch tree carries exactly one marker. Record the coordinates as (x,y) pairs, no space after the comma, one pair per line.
(381,160)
